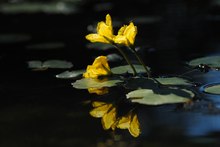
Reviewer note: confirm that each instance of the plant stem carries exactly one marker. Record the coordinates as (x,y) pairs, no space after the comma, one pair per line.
(141,62)
(126,58)
(145,67)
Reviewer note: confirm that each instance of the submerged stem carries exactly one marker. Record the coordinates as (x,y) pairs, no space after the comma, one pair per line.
(126,58)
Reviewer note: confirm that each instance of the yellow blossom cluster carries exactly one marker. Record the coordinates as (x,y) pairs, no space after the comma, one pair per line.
(105,34)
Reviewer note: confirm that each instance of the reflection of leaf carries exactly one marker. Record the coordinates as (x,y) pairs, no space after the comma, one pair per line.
(86,83)
(127,69)
(50,64)
(160,96)
(70,74)
(174,81)
(212,61)
(214,89)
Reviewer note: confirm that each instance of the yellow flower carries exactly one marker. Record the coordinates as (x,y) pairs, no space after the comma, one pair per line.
(131,123)
(99,67)
(126,35)
(98,91)
(105,111)
(104,32)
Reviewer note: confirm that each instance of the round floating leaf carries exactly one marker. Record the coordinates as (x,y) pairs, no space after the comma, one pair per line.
(46,46)
(34,64)
(70,74)
(174,81)
(214,89)
(57,64)
(114,57)
(99,46)
(127,69)
(50,64)
(212,61)
(160,96)
(14,38)
(86,83)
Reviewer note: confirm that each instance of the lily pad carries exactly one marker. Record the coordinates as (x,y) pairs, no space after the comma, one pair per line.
(212,61)
(49,64)
(127,69)
(213,89)
(160,96)
(114,57)
(174,81)
(86,83)
(70,74)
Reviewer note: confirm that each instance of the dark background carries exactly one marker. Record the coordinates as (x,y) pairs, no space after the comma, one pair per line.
(39,110)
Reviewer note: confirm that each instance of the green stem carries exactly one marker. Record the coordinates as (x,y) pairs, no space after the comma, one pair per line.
(141,62)
(126,58)
(145,67)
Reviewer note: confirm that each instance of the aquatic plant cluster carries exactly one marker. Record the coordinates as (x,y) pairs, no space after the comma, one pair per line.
(99,76)
(132,85)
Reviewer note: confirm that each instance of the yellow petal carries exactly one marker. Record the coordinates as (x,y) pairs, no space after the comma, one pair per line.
(108,20)
(99,67)
(126,35)
(134,128)
(96,38)
(124,122)
(98,91)
(99,112)
(105,31)
(109,118)
(120,39)
(131,32)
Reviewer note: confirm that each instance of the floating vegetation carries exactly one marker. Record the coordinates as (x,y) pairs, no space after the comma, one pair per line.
(39,65)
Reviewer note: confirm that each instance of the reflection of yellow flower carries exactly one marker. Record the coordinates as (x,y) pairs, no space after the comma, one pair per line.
(104,32)
(98,91)
(131,123)
(105,111)
(99,67)
(126,35)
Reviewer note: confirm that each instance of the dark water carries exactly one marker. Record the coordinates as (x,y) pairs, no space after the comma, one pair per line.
(38,109)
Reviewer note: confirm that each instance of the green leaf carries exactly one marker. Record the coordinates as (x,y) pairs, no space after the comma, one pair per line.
(212,61)
(86,83)
(174,81)
(127,69)
(49,64)
(160,96)
(70,74)
(114,57)
(214,89)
